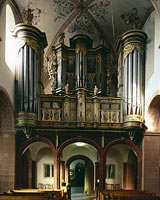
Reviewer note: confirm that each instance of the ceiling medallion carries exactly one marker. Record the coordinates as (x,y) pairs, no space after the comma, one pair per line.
(31,16)
(132,19)
(100,9)
(63,8)
(81,25)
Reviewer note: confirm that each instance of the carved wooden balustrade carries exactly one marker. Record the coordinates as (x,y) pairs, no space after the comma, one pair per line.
(99,112)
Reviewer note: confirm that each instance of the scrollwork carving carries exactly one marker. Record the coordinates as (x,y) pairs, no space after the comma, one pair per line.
(52,70)
(130,48)
(31,43)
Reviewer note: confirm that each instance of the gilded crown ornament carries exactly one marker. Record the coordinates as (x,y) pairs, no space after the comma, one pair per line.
(31,16)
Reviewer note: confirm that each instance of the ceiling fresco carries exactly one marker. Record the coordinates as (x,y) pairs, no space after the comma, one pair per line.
(99,19)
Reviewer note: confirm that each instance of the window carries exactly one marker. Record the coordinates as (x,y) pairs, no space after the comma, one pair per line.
(48,170)
(10,44)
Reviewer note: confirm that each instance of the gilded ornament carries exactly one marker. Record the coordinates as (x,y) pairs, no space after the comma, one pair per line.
(129,48)
(31,43)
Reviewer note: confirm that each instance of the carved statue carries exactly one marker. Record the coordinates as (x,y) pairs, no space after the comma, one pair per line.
(95,90)
(61,37)
(66,88)
(52,73)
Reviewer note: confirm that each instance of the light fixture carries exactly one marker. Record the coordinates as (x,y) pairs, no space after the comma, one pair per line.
(80,144)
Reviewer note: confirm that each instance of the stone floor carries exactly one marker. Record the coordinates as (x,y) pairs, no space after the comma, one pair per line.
(81,196)
(77,193)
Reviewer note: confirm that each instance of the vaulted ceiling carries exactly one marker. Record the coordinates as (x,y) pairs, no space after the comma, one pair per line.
(100,19)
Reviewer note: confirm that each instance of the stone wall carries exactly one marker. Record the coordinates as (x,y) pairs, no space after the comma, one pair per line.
(151,160)
(7,160)
(7,144)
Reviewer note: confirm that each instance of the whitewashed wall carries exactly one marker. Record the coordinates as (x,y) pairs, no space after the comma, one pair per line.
(7,74)
(45,156)
(152,65)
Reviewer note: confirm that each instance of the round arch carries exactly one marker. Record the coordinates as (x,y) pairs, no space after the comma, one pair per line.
(19,161)
(35,139)
(91,169)
(85,140)
(135,149)
(74,140)
(154,114)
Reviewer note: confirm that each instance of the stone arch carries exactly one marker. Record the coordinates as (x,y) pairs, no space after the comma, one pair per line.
(35,139)
(85,140)
(137,152)
(154,113)
(74,140)
(91,169)
(6,111)
(21,152)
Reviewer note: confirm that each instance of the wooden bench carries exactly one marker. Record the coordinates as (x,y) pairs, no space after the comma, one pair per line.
(33,194)
(126,195)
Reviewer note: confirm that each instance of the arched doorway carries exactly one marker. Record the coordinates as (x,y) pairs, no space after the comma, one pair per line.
(79,160)
(81,174)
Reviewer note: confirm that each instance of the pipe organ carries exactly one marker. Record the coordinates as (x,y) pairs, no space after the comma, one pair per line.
(81,65)
(30,55)
(131,49)
(80,77)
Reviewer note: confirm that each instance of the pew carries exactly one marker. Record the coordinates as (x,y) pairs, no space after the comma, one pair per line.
(126,195)
(33,194)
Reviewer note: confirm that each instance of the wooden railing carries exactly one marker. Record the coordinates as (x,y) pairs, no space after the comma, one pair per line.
(57,111)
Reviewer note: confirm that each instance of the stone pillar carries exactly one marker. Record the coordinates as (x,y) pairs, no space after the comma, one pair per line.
(62,172)
(56,172)
(124,186)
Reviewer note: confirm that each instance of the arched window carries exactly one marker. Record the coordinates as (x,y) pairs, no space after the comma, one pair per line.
(10,44)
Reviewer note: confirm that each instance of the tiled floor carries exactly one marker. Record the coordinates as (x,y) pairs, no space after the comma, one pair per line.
(77,190)
(77,193)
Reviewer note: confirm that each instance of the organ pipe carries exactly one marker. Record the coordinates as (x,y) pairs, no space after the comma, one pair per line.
(131,49)
(31,45)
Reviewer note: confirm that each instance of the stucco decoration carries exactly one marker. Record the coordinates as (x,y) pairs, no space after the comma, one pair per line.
(31,16)
(132,19)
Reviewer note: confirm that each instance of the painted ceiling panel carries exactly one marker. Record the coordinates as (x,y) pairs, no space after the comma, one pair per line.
(99,19)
